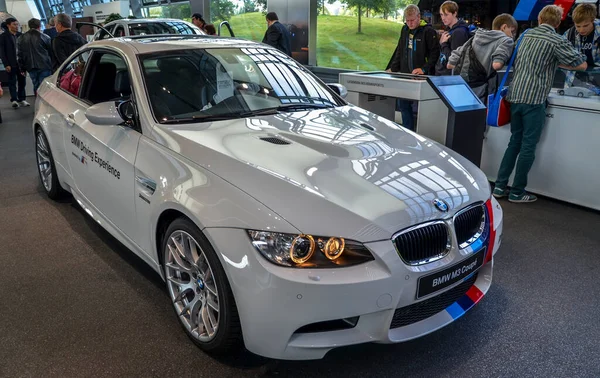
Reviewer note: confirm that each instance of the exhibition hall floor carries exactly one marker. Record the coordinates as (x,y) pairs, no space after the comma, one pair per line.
(74,302)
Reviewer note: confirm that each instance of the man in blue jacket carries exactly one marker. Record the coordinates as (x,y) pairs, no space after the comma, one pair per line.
(277,35)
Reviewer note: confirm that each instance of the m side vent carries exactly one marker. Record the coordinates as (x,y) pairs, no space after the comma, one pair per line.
(275,140)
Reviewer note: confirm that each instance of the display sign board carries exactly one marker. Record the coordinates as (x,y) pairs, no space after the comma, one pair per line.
(101,11)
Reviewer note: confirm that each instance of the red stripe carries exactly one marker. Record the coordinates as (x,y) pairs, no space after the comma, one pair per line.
(490,251)
(474,294)
(566,5)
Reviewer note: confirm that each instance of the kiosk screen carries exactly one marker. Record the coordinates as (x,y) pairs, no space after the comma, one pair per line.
(459,95)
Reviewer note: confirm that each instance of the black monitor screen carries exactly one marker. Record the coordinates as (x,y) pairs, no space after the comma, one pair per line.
(459,95)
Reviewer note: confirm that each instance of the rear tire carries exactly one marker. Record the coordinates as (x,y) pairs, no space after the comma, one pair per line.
(199,289)
(46,167)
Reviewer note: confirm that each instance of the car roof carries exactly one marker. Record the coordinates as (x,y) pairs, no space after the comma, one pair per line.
(144,20)
(157,43)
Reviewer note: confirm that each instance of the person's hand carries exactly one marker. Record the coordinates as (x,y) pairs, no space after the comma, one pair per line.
(450,66)
(24,73)
(418,71)
(445,37)
(7,68)
(1,92)
(388,70)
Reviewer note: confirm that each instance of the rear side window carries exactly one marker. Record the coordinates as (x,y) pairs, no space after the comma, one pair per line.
(119,31)
(71,74)
(171,27)
(103,34)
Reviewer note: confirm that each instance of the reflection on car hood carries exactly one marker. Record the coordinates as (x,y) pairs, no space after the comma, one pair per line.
(343,171)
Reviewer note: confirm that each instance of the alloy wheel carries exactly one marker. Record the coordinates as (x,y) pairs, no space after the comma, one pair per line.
(192,286)
(43,160)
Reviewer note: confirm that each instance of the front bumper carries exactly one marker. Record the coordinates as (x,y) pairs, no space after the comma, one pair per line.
(275,302)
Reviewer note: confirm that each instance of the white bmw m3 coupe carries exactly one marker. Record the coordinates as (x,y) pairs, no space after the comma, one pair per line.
(280,217)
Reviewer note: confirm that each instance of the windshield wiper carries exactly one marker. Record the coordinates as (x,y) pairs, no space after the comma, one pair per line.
(252,113)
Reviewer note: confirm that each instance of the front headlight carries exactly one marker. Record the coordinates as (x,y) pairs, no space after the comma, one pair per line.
(307,251)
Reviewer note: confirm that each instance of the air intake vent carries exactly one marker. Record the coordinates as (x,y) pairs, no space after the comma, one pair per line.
(423,244)
(469,225)
(275,140)
(422,310)
(371,98)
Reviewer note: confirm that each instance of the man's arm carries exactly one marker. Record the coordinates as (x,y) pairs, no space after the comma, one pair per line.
(432,52)
(455,57)
(503,53)
(582,67)
(20,54)
(394,63)
(273,36)
(568,57)
(3,49)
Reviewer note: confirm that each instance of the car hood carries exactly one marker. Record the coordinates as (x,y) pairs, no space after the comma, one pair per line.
(333,172)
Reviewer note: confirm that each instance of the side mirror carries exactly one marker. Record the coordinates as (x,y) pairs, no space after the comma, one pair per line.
(109,113)
(339,89)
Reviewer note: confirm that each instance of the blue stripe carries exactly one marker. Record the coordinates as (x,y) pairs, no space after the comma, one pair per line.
(455,310)
(465,303)
(524,10)
(477,245)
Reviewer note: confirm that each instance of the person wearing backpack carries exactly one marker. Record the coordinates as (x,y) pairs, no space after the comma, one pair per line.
(585,37)
(457,34)
(485,53)
(417,51)
(540,53)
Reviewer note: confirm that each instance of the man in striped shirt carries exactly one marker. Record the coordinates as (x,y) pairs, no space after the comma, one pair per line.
(541,52)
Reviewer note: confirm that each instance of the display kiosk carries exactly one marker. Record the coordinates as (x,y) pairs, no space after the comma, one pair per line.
(447,109)
(465,124)
(377,92)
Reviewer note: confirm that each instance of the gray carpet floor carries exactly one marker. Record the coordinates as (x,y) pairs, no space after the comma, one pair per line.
(74,302)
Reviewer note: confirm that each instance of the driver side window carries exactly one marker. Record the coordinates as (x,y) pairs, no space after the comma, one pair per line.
(107,79)
(70,76)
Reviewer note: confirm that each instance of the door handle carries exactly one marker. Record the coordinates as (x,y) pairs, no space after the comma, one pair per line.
(146,183)
(70,118)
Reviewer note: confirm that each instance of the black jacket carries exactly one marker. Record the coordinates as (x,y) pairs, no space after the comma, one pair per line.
(424,53)
(459,34)
(8,49)
(35,51)
(64,45)
(51,32)
(279,37)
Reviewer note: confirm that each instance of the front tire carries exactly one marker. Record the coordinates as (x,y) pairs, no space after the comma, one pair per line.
(46,166)
(199,289)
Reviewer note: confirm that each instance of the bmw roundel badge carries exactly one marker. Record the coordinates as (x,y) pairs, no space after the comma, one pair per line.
(441,205)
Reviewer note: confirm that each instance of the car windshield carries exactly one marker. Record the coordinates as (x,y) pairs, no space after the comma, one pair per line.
(198,85)
(166,27)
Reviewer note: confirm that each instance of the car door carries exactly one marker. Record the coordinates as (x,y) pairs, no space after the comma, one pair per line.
(103,155)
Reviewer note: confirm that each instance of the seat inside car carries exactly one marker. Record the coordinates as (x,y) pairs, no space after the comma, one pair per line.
(123,85)
(178,87)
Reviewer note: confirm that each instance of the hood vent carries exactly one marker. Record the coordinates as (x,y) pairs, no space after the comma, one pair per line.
(275,140)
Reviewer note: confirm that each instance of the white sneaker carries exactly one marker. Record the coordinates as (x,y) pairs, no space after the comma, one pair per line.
(15,104)
(24,103)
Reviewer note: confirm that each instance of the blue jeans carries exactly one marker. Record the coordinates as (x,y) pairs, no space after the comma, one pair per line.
(37,76)
(16,79)
(406,109)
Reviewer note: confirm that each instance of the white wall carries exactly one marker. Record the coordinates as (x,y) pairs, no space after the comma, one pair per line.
(23,11)
(101,11)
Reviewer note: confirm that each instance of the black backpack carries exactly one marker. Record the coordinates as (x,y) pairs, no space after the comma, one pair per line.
(476,74)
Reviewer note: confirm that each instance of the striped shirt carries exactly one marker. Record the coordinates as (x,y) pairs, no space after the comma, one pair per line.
(538,57)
